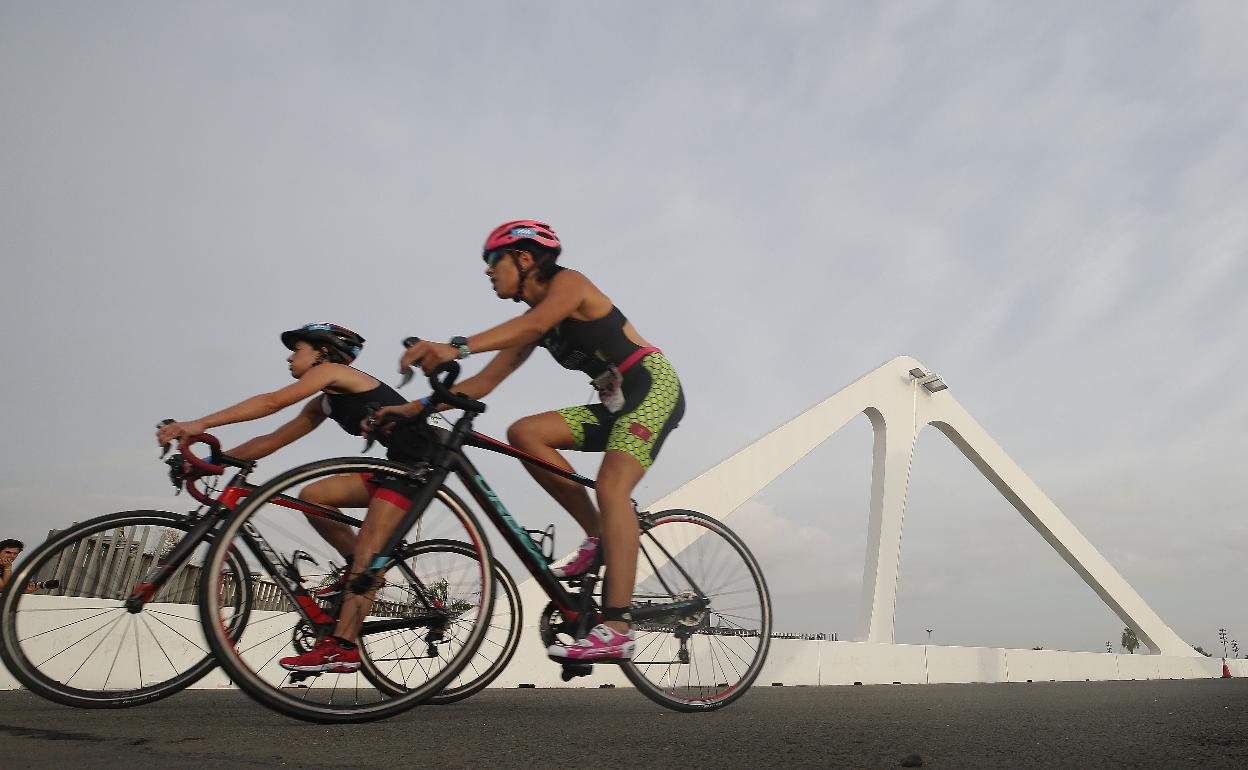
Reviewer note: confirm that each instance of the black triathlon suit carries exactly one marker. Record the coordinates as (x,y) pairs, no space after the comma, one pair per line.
(406,445)
(648,401)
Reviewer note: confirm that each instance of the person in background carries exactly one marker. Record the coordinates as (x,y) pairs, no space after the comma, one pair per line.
(10,549)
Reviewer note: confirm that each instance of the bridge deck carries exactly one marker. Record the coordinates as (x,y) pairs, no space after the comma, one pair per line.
(1096,724)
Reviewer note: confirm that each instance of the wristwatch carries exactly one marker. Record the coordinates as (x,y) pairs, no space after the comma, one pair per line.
(462,344)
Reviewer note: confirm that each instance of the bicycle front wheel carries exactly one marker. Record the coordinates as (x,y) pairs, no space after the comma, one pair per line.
(701,613)
(78,644)
(423,626)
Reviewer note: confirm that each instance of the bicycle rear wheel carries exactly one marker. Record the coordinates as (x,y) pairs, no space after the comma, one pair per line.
(77,644)
(701,613)
(453,565)
(421,631)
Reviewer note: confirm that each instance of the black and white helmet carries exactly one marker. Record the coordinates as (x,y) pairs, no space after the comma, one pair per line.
(342,343)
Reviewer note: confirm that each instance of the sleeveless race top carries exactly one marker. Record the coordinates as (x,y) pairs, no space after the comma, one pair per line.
(350,409)
(590,346)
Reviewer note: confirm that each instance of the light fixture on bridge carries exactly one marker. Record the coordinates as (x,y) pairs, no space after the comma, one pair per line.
(931,382)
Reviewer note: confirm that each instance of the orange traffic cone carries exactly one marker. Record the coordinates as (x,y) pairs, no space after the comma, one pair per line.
(1226,670)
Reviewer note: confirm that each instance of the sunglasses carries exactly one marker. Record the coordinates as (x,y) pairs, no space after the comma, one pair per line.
(491,258)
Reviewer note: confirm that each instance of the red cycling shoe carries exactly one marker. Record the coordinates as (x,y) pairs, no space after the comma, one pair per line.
(329,656)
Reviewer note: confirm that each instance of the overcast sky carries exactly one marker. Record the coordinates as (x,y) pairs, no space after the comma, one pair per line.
(1043,202)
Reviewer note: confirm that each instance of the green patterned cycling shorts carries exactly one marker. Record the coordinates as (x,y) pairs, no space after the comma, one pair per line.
(653,406)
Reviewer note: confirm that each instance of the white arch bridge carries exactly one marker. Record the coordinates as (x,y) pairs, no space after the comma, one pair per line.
(900,398)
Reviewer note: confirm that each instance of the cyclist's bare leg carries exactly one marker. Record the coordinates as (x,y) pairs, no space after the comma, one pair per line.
(380,522)
(617,478)
(543,435)
(336,492)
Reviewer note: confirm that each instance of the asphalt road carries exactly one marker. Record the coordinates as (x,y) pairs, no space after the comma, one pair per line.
(1201,723)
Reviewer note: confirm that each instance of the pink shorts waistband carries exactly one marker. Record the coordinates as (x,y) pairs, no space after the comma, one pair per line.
(637,355)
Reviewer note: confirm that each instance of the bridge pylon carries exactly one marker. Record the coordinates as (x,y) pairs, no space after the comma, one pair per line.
(900,398)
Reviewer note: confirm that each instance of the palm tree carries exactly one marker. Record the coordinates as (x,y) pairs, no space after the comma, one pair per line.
(1129,642)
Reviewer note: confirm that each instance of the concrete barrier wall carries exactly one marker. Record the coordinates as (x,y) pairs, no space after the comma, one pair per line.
(797,662)
(964,664)
(791,661)
(1059,666)
(868,663)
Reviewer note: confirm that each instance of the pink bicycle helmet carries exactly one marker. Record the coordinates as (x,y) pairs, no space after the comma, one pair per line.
(522,230)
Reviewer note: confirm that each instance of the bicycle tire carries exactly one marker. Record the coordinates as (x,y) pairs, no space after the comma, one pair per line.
(260,523)
(704,658)
(72,644)
(496,648)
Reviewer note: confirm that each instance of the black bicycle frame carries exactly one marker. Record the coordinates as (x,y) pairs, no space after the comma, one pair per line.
(449,458)
(516,535)
(526,549)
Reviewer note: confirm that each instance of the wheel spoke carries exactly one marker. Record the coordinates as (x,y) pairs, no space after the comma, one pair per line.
(703,652)
(159,646)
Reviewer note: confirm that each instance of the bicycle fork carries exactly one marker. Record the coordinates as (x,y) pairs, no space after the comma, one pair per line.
(156,578)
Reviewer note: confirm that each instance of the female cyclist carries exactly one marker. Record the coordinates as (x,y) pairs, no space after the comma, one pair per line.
(319,361)
(640,402)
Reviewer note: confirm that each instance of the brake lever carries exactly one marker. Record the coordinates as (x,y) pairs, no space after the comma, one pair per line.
(164,448)
(177,472)
(407,375)
(371,407)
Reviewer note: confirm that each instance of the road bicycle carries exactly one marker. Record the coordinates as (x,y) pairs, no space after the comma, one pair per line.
(118,624)
(701,611)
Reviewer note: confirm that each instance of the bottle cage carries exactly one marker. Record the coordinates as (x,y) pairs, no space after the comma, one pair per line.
(544,540)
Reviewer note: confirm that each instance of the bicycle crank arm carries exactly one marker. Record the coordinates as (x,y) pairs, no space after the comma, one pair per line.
(679,609)
(431,621)
(297,677)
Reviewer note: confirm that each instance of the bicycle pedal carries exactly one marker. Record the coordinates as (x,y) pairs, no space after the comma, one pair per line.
(297,677)
(573,670)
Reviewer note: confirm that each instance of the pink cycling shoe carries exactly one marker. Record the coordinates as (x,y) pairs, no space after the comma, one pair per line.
(603,644)
(581,563)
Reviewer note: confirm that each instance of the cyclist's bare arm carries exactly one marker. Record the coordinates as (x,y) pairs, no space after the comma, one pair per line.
(568,291)
(475,387)
(493,373)
(308,419)
(317,378)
